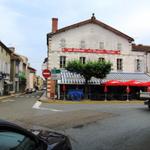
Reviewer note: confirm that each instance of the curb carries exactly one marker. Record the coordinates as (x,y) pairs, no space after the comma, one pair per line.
(50,101)
(5,97)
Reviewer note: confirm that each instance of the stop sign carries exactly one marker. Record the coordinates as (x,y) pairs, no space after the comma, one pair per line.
(46,73)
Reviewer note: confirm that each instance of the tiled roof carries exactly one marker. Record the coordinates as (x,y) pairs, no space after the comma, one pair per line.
(140,47)
(73,78)
(93,20)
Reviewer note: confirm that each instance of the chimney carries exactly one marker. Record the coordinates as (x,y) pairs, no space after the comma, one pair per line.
(54,24)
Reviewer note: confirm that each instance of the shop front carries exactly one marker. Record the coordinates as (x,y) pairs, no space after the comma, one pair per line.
(116,86)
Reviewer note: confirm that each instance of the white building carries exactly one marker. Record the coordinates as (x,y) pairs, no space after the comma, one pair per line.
(94,40)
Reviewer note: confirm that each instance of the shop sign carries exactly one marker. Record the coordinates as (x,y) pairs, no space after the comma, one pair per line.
(97,51)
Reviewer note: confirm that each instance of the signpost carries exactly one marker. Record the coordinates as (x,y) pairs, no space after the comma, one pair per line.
(55,74)
(46,74)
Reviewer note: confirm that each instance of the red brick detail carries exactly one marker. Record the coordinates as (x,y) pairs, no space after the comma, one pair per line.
(54,24)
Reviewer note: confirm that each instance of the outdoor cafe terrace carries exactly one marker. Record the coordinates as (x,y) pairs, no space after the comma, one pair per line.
(115,86)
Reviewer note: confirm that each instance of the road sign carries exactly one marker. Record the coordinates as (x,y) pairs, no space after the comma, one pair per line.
(46,73)
(55,76)
(56,71)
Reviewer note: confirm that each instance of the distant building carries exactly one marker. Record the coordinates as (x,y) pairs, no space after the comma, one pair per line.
(31,78)
(15,62)
(39,82)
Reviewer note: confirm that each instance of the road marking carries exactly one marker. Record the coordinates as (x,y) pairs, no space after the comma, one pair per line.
(9,100)
(37,106)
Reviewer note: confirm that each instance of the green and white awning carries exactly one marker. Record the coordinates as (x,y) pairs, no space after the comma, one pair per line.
(73,78)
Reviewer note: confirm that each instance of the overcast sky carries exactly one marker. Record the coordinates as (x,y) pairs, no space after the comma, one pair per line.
(25,23)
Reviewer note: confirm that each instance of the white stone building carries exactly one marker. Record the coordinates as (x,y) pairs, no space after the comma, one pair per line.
(94,40)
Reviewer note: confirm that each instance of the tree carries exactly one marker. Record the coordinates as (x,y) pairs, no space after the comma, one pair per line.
(97,69)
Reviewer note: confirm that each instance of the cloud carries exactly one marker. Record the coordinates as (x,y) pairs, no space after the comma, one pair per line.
(9,25)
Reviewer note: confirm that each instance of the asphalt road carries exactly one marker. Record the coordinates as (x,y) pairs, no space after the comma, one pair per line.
(128,128)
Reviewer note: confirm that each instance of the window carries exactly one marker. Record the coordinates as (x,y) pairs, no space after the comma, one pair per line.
(82,44)
(101,45)
(119,64)
(119,46)
(101,59)
(82,60)
(62,43)
(15,141)
(138,65)
(62,61)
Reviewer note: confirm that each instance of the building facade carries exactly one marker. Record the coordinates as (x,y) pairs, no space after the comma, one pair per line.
(93,40)
(31,78)
(5,61)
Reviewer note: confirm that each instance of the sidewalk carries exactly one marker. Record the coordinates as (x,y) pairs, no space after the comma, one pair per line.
(44,99)
(9,96)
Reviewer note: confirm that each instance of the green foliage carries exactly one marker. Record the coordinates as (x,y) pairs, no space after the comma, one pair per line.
(90,69)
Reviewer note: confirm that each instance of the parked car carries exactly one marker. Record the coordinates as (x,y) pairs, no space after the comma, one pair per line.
(145,96)
(14,137)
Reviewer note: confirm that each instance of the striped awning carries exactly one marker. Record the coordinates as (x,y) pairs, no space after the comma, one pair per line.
(73,78)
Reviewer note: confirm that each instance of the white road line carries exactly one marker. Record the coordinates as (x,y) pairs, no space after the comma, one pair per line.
(9,100)
(37,106)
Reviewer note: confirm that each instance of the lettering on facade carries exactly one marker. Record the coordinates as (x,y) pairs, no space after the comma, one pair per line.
(97,51)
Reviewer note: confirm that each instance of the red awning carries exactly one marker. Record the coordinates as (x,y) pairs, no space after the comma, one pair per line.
(132,83)
(113,83)
(126,83)
(146,83)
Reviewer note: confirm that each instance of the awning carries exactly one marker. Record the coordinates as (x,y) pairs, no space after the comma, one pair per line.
(73,78)
(113,83)
(7,82)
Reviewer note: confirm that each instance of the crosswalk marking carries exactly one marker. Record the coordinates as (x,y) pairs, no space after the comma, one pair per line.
(37,106)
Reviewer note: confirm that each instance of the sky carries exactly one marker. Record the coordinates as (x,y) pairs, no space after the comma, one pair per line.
(25,23)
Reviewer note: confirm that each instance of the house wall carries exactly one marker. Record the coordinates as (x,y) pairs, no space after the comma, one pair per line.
(93,34)
(4,68)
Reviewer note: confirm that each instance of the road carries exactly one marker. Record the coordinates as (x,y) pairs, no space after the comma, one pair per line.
(90,127)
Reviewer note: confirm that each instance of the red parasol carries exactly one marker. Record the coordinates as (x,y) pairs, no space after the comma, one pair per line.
(64,88)
(105,89)
(128,89)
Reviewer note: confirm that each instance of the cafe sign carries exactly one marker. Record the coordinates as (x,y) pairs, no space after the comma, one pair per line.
(97,51)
